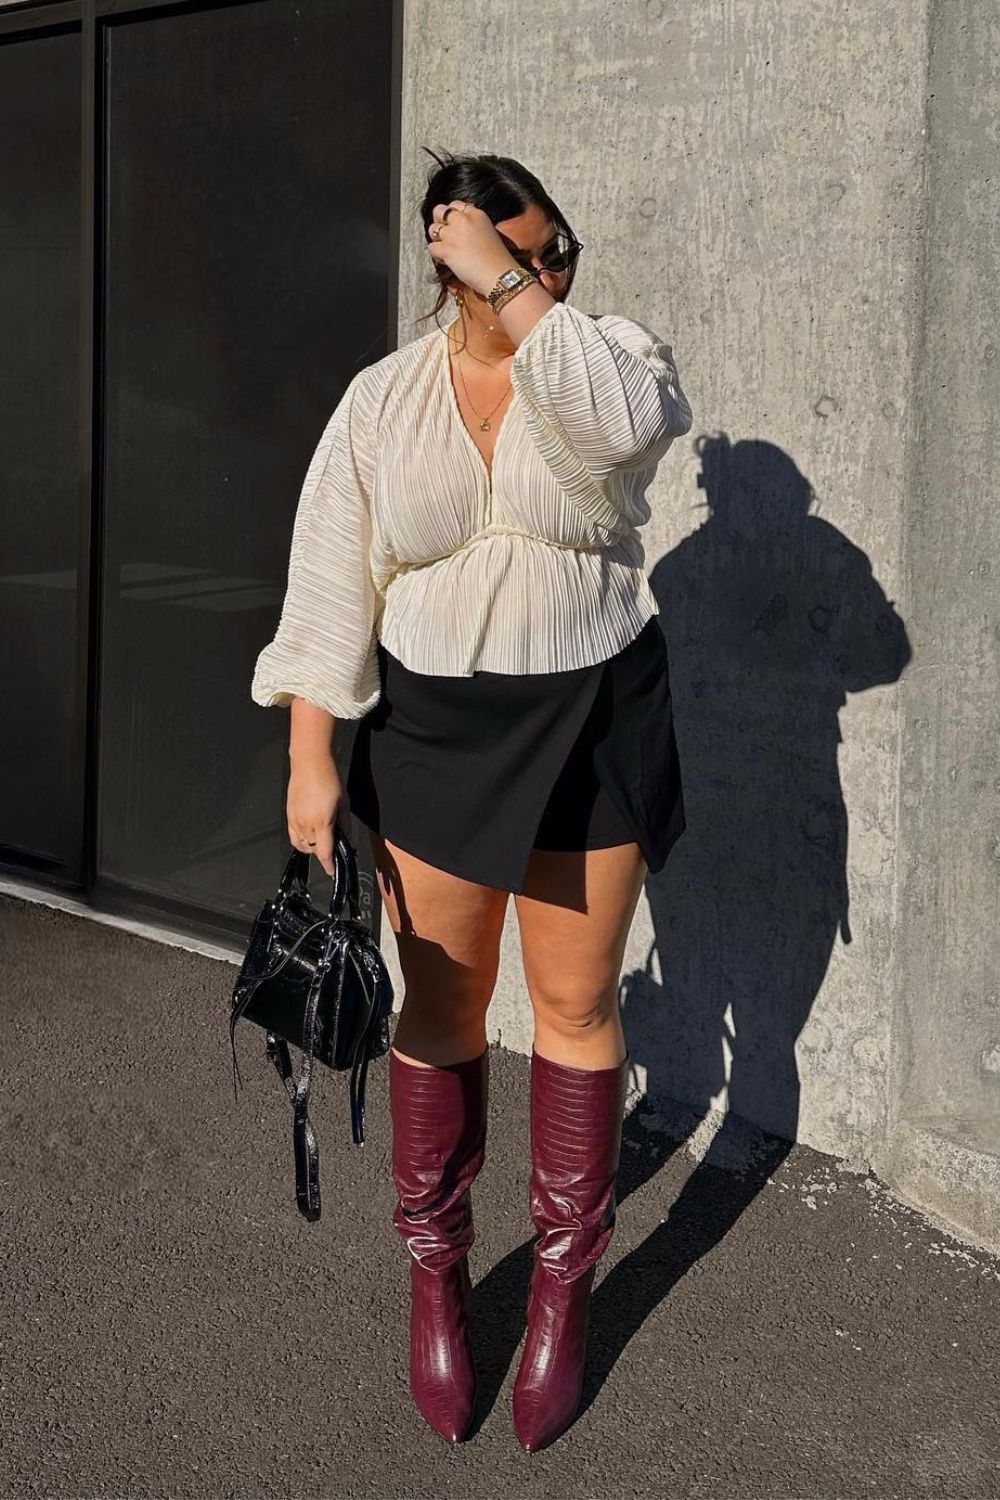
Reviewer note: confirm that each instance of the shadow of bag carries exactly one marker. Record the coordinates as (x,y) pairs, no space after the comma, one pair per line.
(316,980)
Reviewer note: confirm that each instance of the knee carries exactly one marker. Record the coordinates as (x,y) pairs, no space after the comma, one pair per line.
(574,1014)
(454,1007)
(461,1006)
(438,1028)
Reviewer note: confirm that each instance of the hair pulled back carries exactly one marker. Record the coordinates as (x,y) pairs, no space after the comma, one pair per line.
(500,186)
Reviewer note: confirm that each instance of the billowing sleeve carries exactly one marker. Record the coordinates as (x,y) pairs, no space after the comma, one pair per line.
(324,646)
(600,396)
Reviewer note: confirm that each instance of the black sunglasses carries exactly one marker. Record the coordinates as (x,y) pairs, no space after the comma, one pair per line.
(557,262)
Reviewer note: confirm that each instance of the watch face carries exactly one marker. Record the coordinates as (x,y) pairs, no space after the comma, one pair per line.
(509,278)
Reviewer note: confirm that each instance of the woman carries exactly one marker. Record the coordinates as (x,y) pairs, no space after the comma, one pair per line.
(466,579)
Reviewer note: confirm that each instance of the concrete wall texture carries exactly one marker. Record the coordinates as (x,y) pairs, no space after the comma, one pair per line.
(945,1083)
(800,199)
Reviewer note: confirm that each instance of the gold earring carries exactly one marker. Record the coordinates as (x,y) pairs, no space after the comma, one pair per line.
(460,298)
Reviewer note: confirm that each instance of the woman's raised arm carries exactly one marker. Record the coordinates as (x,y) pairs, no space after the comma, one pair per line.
(606,388)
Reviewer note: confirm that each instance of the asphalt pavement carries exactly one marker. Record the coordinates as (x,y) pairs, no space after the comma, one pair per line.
(174,1328)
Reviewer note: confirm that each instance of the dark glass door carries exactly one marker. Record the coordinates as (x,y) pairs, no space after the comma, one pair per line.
(42,647)
(249,264)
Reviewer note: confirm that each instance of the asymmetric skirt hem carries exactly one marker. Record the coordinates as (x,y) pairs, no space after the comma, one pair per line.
(471,773)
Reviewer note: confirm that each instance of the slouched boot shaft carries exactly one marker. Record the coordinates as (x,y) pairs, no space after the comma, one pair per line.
(438,1146)
(576,1128)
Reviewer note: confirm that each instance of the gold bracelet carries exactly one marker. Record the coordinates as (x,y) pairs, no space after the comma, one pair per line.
(505,297)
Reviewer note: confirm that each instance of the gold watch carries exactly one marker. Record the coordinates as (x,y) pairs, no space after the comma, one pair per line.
(508,285)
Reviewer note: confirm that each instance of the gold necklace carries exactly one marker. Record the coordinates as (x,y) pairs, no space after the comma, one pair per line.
(484,422)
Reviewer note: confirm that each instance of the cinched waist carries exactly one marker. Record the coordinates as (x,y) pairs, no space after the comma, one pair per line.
(497,528)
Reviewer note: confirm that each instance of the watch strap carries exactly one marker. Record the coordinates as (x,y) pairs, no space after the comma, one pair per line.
(507,287)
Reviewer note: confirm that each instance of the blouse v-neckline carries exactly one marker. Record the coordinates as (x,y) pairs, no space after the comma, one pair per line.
(457,410)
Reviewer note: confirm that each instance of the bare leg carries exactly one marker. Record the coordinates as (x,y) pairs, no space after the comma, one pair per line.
(448,937)
(574,917)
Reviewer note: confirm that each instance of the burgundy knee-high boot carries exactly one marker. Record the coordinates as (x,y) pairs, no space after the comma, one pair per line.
(576,1128)
(438,1146)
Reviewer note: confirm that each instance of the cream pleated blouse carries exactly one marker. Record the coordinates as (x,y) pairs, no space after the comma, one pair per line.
(403,533)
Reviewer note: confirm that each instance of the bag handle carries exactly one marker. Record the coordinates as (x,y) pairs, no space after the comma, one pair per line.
(346,885)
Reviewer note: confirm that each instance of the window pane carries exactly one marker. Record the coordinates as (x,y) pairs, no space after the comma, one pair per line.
(41,745)
(248,269)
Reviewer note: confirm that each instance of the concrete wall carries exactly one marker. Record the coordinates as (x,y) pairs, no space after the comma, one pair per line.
(749,180)
(944,1142)
(744,183)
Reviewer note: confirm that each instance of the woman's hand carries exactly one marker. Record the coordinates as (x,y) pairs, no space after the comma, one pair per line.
(316,799)
(469,245)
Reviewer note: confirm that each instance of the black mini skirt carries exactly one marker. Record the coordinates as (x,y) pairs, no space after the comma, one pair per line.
(471,773)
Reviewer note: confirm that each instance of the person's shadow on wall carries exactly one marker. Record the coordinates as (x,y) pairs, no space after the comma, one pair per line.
(771,617)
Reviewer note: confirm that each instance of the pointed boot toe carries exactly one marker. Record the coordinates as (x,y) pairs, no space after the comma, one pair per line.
(549,1380)
(536,1427)
(443,1377)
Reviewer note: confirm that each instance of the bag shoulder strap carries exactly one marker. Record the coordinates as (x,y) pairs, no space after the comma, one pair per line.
(304,1141)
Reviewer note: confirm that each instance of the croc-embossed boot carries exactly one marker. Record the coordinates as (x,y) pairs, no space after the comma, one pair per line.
(438,1146)
(576,1129)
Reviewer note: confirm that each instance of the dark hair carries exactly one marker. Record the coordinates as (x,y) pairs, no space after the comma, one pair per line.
(500,186)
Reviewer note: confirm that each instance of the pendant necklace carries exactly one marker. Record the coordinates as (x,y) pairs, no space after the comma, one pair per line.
(484,422)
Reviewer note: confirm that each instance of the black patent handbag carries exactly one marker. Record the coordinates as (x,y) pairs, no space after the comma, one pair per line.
(318,981)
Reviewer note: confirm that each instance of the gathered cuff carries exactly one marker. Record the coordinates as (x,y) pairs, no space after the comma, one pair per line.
(555,314)
(277,692)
